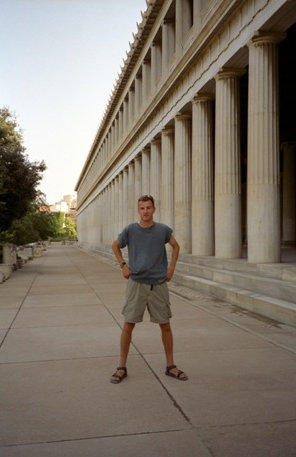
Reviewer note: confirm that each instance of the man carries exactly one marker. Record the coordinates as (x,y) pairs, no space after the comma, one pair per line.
(147,274)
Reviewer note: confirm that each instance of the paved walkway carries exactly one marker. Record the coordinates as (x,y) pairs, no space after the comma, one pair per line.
(60,326)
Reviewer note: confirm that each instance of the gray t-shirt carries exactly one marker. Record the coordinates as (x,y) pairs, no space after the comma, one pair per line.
(146,251)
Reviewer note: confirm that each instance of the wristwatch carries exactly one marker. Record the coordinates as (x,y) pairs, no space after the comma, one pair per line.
(122,264)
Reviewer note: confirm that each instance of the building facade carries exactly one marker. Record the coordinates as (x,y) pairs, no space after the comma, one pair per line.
(202,118)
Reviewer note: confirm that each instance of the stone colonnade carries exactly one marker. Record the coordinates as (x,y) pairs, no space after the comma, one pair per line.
(194,174)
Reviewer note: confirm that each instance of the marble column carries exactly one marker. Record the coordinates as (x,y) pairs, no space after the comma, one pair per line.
(131,106)
(125,116)
(146,80)
(155,175)
(131,193)
(289,193)
(179,25)
(120,125)
(120,202)
(117,225)
(146,171)
(108,218)
(104,224)
(113,213)
(156,63)
(138,94)
(263,193)
(182,180)
(138,184)
(167,176)
(202,175)
(125,197)
(228,237)
(168,43)
(116,131)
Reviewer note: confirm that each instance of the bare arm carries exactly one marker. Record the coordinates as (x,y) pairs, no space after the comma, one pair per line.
(118,254)
(175,254)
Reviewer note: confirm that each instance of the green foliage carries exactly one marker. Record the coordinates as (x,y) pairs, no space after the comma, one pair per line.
(5,237)
(36,226)
(19,177)
(23,231)
(70,229)
(21,222)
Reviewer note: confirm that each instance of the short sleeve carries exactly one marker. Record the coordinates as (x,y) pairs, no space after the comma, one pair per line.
(168,234)
(123,238)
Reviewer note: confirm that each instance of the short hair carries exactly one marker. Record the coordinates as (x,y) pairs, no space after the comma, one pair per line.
(146,198)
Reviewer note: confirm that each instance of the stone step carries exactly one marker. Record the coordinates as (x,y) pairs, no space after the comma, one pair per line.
(256,282)
(284,271)
(273,308)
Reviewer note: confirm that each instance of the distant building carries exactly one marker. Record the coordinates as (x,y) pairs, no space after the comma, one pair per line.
(66,205)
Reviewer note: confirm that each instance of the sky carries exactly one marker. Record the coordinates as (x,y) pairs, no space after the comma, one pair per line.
(59,62)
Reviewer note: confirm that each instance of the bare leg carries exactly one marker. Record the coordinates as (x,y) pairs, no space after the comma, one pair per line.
(167,339)
(125,341)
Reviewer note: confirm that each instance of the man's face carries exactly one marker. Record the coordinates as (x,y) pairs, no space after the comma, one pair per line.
(146,211)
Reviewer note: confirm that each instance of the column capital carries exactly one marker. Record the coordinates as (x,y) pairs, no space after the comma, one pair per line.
(155,140)
(168,20)
(229,72)
(181,116)
(203,97)
(168,130)
(155,42)
(261,38)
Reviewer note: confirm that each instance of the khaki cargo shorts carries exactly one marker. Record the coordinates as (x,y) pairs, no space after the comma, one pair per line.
(139,296)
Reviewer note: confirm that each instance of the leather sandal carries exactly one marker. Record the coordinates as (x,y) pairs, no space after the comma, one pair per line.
(176,376)
(118,376)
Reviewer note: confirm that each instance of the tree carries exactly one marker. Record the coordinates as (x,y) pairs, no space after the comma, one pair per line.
(69,228)
(19,177)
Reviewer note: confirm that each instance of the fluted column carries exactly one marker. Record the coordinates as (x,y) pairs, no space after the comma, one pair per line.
(116,131)
(117,225)
(182,179)
(108,221)
(146,80)
(202,175)
(131,106)
(167,177)
(138,94)
(112,139)
(120,202)
(131,193)
(113,214)
(104,225)
(125,116)
(289,193)
(138,184)
(156,63)
(95,209)
(145,171)
(125,197)
(179,25)
(168,43)
(228,238)
(155,174)
(263,150)
(120,125)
